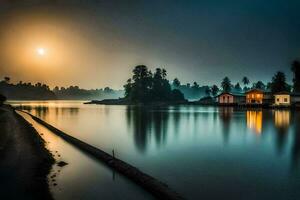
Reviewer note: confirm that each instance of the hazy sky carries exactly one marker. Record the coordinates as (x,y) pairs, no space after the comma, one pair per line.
(97,43)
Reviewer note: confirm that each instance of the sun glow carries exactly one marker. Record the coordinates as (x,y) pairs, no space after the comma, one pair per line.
(41,51)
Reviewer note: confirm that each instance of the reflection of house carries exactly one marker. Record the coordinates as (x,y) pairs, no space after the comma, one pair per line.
(254,96)
(230,98)
(282,118)
(254,121)
(282,99)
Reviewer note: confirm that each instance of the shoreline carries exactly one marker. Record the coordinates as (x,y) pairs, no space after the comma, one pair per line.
(155,187)
(25,162)
(116,102)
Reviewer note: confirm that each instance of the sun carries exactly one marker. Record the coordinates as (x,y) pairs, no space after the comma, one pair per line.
(41,51)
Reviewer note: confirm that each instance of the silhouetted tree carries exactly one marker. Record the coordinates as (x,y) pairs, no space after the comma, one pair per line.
(259,85)
(278,83)
(245,81)
(2,99)
(177,95)
(296,79)
(237,87)
(145,87)
(6,79)
(176,83)
(207,91)
(226,84)
(214,90)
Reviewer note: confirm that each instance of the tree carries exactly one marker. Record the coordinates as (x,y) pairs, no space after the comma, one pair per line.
(259,85)
(226,84)
(278,83)
(214,90)
(2,99)
(176,83)
(177,95)
(146,87)
(296,79)
(237,87)
(245,81)
(6,79)
(208,91)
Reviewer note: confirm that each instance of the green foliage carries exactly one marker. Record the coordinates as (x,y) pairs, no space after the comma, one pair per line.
(226,84)
(145,87)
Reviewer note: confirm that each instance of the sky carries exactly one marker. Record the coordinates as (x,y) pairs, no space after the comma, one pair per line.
(96,43)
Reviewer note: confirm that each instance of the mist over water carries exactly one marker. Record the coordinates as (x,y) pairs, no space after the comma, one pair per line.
(198,151)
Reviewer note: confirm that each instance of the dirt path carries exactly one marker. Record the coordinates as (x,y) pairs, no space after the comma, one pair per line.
(24,162)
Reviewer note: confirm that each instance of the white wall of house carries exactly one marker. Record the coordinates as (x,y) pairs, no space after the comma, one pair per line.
(225,98)
(282,99)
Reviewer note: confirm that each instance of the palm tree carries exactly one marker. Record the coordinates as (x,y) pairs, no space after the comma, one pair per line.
(226,84)
(245,81)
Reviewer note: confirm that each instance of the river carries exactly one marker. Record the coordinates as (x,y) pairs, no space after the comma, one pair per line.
(201,152)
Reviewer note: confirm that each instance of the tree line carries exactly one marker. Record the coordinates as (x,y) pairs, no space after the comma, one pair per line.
(278,83)
(39,91)
(145,86)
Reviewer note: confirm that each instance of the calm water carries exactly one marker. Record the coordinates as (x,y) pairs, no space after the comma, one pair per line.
(199,151)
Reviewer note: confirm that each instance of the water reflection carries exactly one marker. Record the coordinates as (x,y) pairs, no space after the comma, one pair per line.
(254,120)
(146,122)
(225,114)
(282,122)
(187,142)
(295,153)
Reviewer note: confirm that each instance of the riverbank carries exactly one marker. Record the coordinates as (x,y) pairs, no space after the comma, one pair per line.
(24,160)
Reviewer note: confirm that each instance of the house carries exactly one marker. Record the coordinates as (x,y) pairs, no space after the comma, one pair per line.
(228,98)
(282,99)
(254,96)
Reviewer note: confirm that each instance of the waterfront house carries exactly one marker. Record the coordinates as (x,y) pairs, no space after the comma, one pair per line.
(228,98)
(254,96)
(282,99)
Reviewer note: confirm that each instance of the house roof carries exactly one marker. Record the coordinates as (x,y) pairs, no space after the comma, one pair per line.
(282,93)
(231,93)
(255,90)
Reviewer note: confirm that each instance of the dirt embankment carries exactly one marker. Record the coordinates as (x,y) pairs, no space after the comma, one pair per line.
(24,160)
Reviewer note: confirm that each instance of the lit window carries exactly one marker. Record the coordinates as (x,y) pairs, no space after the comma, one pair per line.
(258,95)
(252,95)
